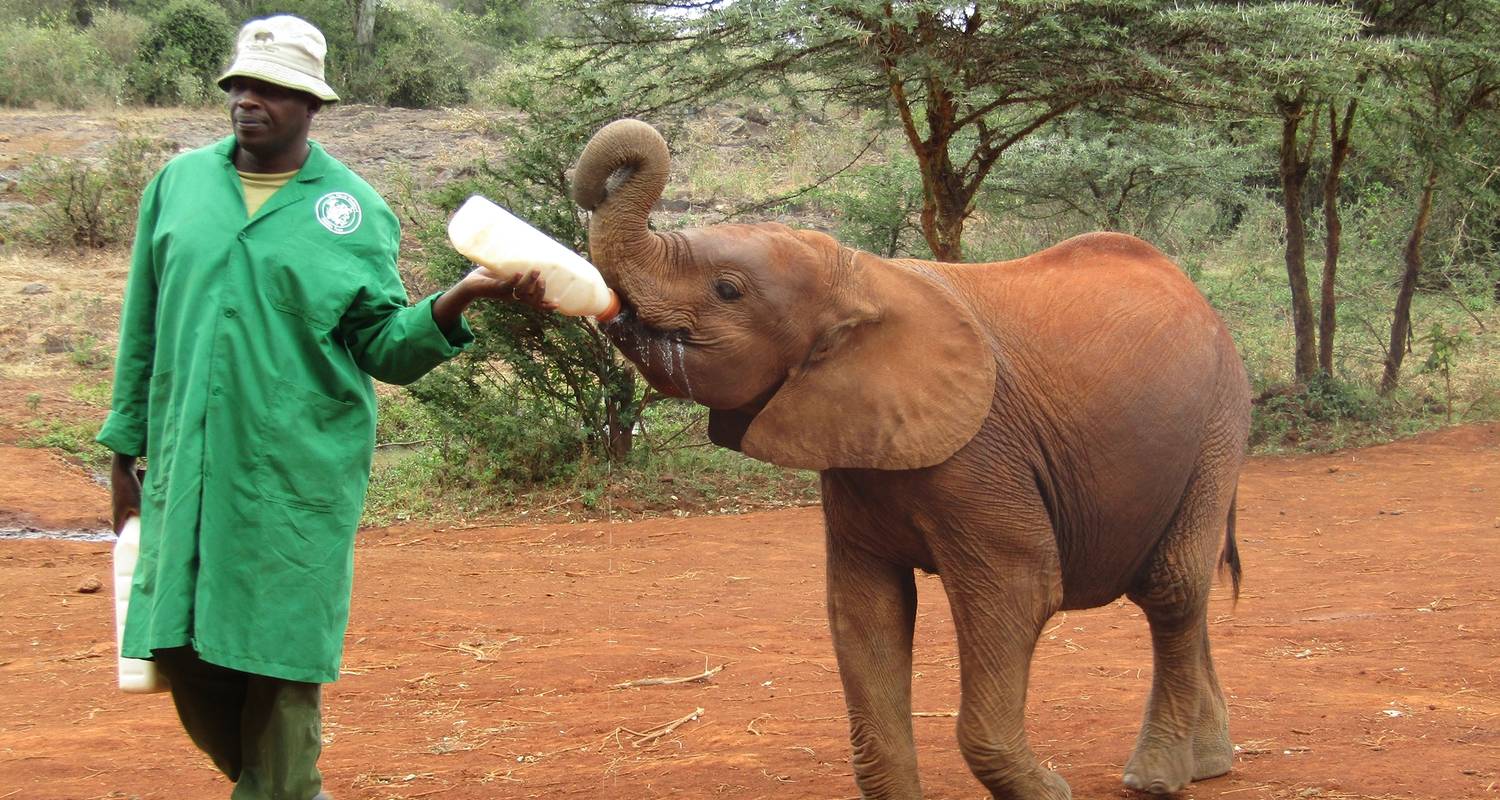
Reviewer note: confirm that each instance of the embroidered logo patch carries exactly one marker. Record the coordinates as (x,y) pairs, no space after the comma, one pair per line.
(338,212)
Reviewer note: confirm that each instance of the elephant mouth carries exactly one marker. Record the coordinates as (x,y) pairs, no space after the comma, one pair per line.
(660,353)
(630,323)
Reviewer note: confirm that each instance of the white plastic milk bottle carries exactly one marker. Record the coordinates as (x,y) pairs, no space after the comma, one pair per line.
(493,238)
(136,675)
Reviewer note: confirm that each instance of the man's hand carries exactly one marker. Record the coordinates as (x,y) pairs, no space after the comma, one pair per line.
(528,289)
(124,490)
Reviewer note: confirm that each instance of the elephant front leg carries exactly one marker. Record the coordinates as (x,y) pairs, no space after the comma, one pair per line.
(997,631)
(1003,578)
(872,607)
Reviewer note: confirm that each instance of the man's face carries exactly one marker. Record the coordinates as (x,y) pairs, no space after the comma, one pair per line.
(269,120)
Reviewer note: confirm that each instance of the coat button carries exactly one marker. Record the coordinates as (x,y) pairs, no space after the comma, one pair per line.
(230,313)
(218,390)
(242,236)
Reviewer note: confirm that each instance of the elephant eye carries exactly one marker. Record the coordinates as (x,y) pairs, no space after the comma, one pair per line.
(726,290)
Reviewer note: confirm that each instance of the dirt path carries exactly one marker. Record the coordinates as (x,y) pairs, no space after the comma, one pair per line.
(1362,659)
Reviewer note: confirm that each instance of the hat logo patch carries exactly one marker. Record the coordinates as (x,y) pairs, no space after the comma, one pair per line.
(339,212)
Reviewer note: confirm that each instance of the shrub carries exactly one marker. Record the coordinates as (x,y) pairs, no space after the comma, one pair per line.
(82,203)
(183,52)
(537,390)
(117,35)
(419,60)
(1312,416)
(496,433)
(51,65)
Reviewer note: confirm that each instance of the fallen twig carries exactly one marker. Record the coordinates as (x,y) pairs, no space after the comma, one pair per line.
(702,676)
(655,734)
(651,736)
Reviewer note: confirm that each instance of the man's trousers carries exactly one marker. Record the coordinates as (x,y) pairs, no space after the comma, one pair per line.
(263,733)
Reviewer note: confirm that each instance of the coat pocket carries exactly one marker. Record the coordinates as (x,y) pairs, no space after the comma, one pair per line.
(309,282)
(316,450)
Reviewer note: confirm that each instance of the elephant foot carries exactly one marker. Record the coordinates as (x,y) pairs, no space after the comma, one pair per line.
(1160,768)
(1041,784)
(1057,788)
(1213,753)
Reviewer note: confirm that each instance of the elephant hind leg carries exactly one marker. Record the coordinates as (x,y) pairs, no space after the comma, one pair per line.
(1185,734)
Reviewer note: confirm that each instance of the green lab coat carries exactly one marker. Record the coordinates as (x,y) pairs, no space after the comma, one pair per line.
(243,376)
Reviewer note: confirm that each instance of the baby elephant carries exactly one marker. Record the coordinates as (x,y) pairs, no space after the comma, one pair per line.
(1047,433)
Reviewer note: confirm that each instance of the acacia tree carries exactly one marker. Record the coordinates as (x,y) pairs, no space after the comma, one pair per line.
(1384,19)
(1286,74)
(1134,177)
(963,82)
(1448,82)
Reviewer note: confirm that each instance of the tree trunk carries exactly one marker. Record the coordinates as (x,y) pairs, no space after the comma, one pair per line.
(621,436)
(1401,319)
(945,202)
(1338,153)
(1293,174)
(943,228)
(618,427)
(364,27)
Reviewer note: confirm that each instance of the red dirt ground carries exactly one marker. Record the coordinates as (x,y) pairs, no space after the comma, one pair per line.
(1361,660)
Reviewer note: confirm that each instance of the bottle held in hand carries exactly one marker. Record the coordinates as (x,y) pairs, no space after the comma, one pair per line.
(136,675)
(505,245)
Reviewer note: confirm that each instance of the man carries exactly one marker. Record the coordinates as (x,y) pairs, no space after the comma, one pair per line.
(263,295)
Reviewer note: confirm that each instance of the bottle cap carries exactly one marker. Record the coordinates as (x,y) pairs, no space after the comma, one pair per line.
(610,311)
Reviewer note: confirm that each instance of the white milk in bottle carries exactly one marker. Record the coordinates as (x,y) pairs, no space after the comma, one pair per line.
(493,238)
(136,675)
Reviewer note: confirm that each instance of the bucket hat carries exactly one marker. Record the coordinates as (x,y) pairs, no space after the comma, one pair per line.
(284,50)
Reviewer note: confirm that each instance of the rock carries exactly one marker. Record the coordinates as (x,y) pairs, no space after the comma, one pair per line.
(90,585)
(53,343)
(36,288)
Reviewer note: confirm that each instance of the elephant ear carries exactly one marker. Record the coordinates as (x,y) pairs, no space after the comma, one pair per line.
(901,379)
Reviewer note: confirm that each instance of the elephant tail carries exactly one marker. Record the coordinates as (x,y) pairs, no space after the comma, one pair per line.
(1231,556)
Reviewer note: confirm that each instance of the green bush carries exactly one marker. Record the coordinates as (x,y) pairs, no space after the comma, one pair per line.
(184,50)
(52,65)
(118,36)
(419,60)
(494,432)
(1314,416)
(36,11)
(82,203)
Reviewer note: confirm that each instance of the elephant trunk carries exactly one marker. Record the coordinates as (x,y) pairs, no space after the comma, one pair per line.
(618,178)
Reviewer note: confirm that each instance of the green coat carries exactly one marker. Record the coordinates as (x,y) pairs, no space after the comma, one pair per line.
(243,376)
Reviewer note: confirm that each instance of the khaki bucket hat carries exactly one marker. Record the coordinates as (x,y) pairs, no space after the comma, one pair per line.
(284,50)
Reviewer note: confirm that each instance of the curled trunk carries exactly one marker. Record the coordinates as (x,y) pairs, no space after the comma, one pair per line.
(618,178)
